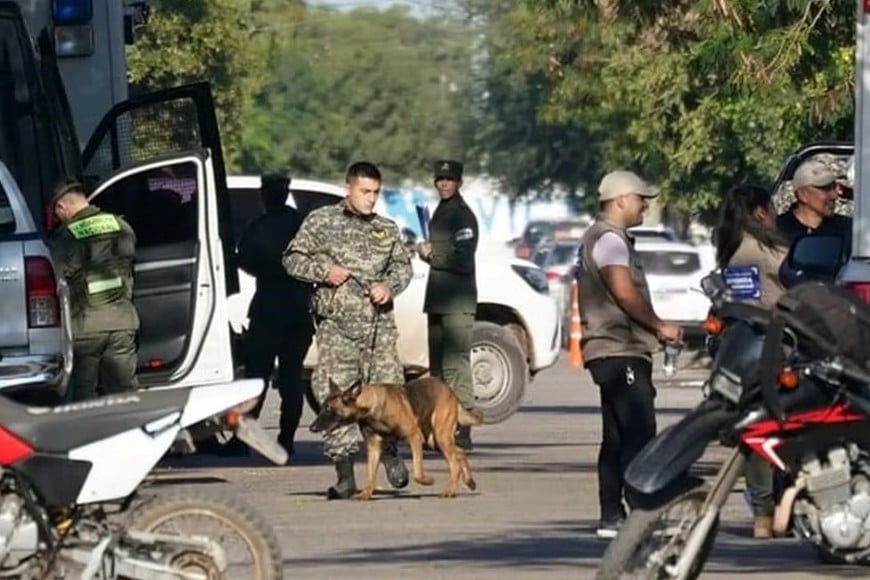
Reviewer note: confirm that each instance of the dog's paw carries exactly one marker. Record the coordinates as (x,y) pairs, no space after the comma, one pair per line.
(425,480)
(363,495)
(471,484)
(448,494)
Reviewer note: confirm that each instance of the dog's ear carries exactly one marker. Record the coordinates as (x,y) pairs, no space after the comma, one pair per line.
(352,392)
(334,389)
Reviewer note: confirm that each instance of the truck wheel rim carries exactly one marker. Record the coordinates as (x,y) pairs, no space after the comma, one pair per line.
(490,373)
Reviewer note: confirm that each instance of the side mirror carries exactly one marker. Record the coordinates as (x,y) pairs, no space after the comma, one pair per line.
(816,257)
(713,285)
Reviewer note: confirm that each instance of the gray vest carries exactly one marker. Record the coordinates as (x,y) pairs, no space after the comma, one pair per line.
(608,331)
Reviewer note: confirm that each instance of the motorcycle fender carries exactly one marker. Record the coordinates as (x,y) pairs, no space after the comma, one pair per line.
(668,457)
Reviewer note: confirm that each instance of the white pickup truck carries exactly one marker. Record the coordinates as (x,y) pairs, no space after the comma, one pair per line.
(35,341)
(518,328)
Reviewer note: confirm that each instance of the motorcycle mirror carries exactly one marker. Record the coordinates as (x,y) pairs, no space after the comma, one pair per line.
(713,285)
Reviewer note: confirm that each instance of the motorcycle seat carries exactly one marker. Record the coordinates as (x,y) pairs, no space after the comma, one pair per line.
(64,427)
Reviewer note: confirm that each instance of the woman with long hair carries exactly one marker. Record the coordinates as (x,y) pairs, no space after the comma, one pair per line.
(751,251)
(746,237)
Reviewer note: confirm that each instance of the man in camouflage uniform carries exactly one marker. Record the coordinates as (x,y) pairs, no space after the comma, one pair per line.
(94,251)
(359,263)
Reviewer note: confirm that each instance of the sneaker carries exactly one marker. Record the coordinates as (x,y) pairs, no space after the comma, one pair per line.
(608,529)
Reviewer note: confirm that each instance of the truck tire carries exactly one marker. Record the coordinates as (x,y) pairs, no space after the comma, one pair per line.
(499,371)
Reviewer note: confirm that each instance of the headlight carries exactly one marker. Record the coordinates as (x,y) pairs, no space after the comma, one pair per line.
(534,277)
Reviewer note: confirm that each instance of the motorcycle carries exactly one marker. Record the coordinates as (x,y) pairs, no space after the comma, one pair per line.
(72,481)
(809,418)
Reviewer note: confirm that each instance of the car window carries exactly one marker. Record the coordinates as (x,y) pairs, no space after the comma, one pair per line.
(160,205)
(308,201)
(670,263)
(542,256)
(653,235)
(564,254)
(7,217)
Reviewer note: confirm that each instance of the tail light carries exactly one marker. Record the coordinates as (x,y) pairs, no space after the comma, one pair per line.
(43,307)
(552,276)
(861,289)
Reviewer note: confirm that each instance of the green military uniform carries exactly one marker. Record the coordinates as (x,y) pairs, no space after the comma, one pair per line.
(451,291)
(355,339)
(94,252)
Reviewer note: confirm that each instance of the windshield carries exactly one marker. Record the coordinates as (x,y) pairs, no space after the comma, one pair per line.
(670,263)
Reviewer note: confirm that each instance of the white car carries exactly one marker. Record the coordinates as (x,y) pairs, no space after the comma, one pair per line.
(674,271)
(518,328)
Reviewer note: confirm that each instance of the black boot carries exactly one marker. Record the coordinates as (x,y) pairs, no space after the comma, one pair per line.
(397,473)
(346,485)
(463,437)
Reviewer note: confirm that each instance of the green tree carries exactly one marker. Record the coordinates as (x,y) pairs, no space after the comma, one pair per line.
(378,85)
(211,40)
(695,96)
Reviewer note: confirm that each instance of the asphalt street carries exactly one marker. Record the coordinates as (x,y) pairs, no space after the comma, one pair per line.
(533,515)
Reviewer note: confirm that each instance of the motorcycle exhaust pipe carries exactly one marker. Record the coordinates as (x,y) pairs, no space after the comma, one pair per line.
(782,513)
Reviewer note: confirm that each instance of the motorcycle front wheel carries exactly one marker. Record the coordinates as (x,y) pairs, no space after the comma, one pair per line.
(650,542)
(248,541)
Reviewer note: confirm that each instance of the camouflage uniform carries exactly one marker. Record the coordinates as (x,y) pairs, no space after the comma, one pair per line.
(371,248)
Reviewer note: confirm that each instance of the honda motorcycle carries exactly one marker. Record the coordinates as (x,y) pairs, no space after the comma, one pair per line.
(808,418)
(72,499)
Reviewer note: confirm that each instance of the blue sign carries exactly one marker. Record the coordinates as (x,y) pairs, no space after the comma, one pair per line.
(743,282)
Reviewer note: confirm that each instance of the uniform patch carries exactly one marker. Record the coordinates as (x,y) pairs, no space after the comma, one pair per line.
(744,282)
(464,234)
(379,234)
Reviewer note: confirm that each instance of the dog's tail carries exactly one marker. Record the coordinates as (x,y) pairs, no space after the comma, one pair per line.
(468,418)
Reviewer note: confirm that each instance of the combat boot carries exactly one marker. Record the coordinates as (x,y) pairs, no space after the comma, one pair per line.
(463,437)
(346,485)
(397,473)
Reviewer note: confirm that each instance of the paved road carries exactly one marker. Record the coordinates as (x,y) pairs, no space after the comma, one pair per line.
(533,515)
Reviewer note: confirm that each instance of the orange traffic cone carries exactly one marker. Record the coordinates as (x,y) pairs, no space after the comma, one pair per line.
(575,355)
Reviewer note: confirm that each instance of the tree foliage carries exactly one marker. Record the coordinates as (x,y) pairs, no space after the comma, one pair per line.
(378,85)
(198,40)
(694,95)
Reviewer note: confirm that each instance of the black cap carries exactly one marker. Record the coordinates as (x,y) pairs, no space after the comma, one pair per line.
(66,186)
(448,169)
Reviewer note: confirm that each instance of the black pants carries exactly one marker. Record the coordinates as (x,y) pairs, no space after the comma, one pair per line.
(287,338)
(628,422)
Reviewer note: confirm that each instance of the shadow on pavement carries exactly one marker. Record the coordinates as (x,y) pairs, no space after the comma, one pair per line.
(560,544)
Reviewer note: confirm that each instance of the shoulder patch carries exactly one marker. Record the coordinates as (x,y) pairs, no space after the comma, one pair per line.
(463,235)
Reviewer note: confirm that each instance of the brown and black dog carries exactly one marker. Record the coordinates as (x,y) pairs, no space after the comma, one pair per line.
(423,410)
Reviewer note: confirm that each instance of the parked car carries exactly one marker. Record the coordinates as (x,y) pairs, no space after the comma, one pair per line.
(35,334)
(539,231)
(557,258)
(516,335)
(674,272)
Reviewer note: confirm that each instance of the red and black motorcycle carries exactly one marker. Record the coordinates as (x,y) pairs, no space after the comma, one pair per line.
(790,386)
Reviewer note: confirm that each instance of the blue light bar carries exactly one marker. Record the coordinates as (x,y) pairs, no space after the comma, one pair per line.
(65,12)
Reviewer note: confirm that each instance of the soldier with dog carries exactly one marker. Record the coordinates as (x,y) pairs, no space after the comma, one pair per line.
(359,264)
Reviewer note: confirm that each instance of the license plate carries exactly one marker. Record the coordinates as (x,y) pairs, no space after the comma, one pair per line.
(250,432)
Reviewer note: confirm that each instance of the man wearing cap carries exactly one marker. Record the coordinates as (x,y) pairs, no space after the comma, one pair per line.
(817,191)
(451,291)
(94,251)
(620,333)
(281,324)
